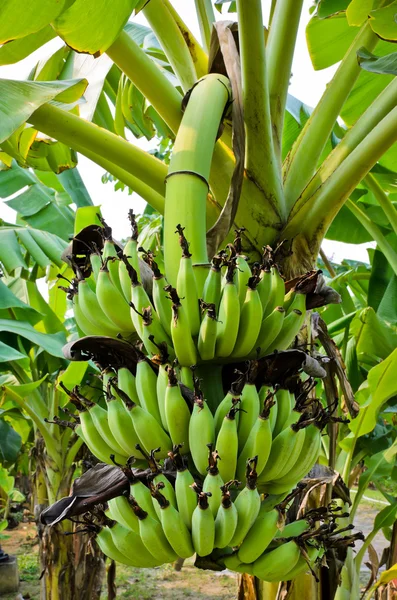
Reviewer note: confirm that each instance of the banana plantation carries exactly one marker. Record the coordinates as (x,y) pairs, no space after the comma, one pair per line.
(211,385)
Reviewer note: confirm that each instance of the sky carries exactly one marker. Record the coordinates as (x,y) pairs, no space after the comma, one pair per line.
(306,84)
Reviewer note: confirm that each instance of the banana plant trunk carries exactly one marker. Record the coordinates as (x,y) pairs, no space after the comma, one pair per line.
(71,566)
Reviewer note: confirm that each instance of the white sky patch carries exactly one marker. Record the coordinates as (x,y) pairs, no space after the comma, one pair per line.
(306,84)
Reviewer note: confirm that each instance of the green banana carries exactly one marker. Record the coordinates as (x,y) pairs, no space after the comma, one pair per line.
(203,525)
(247,503)
(141,493)
(121,425)
(146,387)
(175,529)
(92,311)
(110,257)
(226,518)
(258,442)
(227,446)
(177,412)
(277,292)
(213,283)
(264,392)
(250,320)
(181,333)
(233,563)
(293,529)
(130,252)
(285,406)
(249,405)
(109,548)
(298,302)
(264,286)
(290,329)
(208,332)
(161,300)
(121,510)
(201,432)
(126,382)
(153,334)
(262,532)
(96,263)
(161,387)
(301,467)
(270,329)
(185,495)
(284,453)
(213,482)
(97,446)
(153,536)
(82,322)
(112,302)
(132,546)
(229,315)
(158,477)
(243,270)
(273,565)
(186,285)
(303,563)
(148,429)
(231,399)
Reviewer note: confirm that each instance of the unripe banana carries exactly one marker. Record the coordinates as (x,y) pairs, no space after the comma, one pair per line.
(302,565)
(148,429)
(96,263)
(294,529)
(290,329)
(110,257)
(99,417)
(277,292)
(105,542)
(92,311)
(243,276)
(285,405)
(161,388)
(270,329)
(130,252)
(233,563)
(132,546)
(273,564)
(126,382)
(146,387)
(153,334)
(186,285)
(249,405)
(177,412)
(158,477)
(142,495)
(161,299)
(263,394)
(231,399)
(201,433)
(262,532)
(229,315)
(259,441)
(121,425)
(247,504)
(284,453)
(250,320)
(112,302)
(264,287)
(153,536)
(84,325)
(203,526)
(185,495)
(181,333)
(213,482)
(121,510)
(226,518)
(213,282)
(175,529)
(208,332)
(298,302)
(227,446)
(97,446)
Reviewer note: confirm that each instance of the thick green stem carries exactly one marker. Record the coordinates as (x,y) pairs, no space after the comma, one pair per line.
(302,161)
(375,232)
(280,51)
(205,17)
(148,78)
(172,42)
(261,163)
(187,183)
(199,57)
(82,135)
(384,201)
(314,217)
(377,111)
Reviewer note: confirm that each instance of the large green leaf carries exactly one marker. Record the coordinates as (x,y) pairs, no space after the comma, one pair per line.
(386,65)
(19,99)
(383,21)
(16,50)
(358,10)
(387,309)
(86,27)
(328,39)
(43,247)
(19,18)
(8,353)
(382,380)
(374,339)
(326,8)
(381,273)
(74,185)
(10,443)
(346,228)
(50,343)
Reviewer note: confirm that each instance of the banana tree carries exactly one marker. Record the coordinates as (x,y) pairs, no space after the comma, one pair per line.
(245,154)
(33,331)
